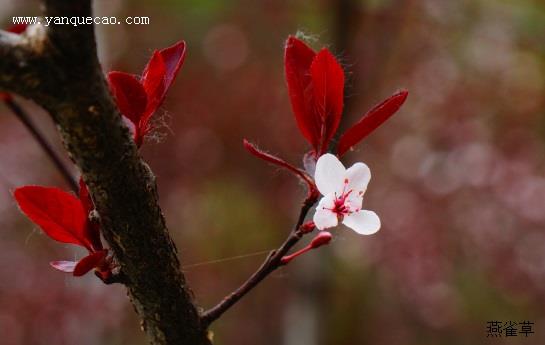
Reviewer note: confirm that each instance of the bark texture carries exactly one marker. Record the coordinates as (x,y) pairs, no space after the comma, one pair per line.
(58,68)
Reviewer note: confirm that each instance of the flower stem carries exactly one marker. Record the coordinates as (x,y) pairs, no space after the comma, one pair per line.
(271,263)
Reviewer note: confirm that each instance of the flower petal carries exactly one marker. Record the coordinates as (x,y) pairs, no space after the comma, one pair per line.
(358,176)
(329,175)
(323,217)
(363,222)
(354,202)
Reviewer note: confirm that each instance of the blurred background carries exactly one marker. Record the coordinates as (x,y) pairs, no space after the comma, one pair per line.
(458,175)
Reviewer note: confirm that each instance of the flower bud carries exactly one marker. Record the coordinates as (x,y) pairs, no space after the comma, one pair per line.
(321,239)
(308,227)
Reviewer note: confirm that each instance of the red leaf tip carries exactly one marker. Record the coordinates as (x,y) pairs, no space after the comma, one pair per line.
(371,121)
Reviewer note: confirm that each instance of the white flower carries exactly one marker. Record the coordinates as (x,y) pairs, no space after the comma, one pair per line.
(343,191)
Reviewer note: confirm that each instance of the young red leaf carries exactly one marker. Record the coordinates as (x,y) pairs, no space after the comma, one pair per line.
(173,58)
(84,197)
(370,121)
(130,96)
(93,233)
(153,82)
(298,58)
(139,99)
(64,266)
(159,75)
(89,262)
(59,214)
(281,163)
(328,81)
(17,28)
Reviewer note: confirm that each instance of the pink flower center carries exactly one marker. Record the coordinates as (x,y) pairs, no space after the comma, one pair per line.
(340,207)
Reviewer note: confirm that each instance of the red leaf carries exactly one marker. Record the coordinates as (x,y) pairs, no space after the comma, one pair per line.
(371,120)
(89,262)
(328,81)
(139,99)
(130,96)
(64,266)
(17,28)
(93,233)
(59,214)
(279,162)
(153,81)
(84,197)
(173,58)
(298,58)
(158,76)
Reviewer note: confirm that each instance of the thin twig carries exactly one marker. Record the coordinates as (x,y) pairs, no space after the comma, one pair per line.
(38,136)
(271,263)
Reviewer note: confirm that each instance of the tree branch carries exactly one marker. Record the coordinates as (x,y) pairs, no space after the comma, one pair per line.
(42,141)
(271,263)
(58,68)
(20,56)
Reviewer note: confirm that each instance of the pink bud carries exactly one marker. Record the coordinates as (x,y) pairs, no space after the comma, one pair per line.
(321,239)
(308,227)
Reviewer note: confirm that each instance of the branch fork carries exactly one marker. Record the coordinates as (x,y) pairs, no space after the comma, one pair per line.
(274,260)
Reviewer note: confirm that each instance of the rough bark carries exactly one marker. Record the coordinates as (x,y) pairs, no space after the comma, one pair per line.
(58,68)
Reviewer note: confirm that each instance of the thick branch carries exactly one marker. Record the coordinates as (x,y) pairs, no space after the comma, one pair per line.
(271,263)
(58,68)
(10,43)
(20,55)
